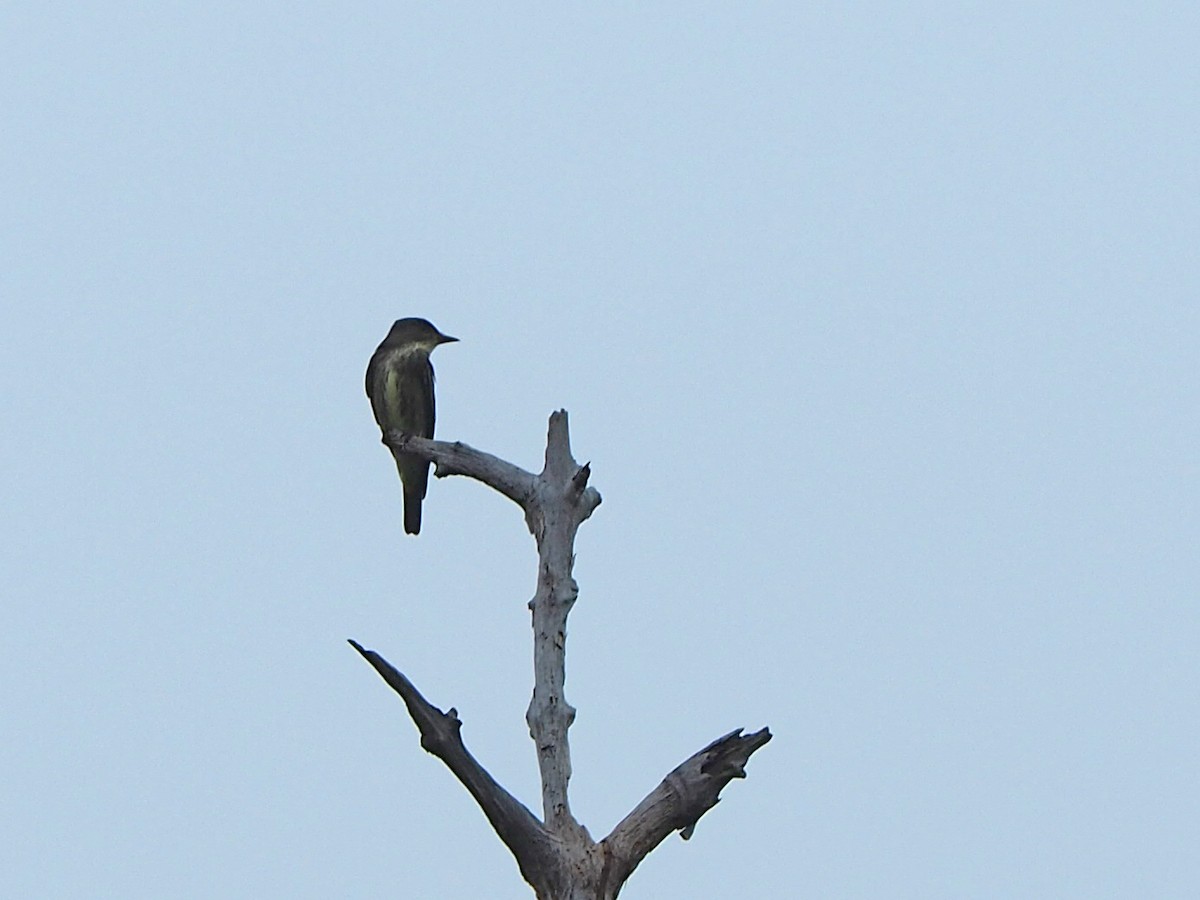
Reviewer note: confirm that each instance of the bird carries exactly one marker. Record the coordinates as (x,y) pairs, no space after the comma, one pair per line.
(400,387)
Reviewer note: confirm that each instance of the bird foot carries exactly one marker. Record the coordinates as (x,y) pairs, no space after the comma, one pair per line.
(395,440)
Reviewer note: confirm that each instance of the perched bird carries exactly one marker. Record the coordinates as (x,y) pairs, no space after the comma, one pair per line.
(400,386)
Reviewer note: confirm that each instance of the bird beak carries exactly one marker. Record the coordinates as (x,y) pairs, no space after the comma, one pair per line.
(446,339)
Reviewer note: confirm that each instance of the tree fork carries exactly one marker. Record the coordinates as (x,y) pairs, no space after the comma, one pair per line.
(556,855)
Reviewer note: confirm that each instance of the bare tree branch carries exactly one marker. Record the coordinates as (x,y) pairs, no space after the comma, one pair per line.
(561,502)
(557,856)
(458,458)
(441,735)
(691,790)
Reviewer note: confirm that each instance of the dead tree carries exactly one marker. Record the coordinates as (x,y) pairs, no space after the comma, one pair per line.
(555,854)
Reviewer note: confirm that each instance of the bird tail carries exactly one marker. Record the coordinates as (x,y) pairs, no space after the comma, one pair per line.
(412,510)
(414,474)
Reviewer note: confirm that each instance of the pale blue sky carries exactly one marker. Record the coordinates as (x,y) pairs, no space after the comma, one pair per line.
(877,323)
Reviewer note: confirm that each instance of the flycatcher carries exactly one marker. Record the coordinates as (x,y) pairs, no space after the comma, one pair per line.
(400,385)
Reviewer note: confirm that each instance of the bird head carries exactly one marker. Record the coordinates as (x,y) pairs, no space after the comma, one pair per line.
(419,332)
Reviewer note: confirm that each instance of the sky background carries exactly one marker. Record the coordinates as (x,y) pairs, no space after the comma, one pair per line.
(877,323)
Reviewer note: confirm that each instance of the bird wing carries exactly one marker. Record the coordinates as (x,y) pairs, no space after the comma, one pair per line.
(400,387)
(376,370)
(417,397)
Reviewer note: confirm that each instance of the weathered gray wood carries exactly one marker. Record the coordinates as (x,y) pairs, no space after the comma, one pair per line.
(459,459)
(441,735)
(677,804)
(557,856)
(562,501)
